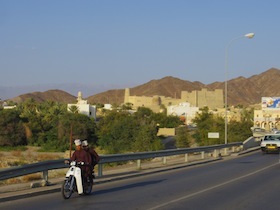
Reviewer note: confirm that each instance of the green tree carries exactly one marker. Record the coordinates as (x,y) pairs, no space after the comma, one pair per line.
(165,121)
(143,112)
(48,124)
(170,122)
(146,138)
(203,121)
(120,132)
(206,122)
(12,131)
(182,137)
(240,130)
(41,119)
(74,109)
(127,106)
(237,130)
(79,125)
(29,114)
(116,132)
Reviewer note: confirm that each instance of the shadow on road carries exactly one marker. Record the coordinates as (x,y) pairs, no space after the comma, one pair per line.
(140,184)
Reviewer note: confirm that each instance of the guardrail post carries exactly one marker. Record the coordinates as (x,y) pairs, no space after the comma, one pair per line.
(139,164)
(215,153)
(186,157)
(225,151)
(164,160)
(45,176)
(202,155)
(100,170)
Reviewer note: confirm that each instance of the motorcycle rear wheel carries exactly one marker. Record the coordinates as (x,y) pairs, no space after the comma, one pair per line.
(66,188)
(87,188)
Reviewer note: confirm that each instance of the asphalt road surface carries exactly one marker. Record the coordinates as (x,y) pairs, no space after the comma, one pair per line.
(244,182)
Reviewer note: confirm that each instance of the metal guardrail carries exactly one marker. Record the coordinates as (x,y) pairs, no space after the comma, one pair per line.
(59,164)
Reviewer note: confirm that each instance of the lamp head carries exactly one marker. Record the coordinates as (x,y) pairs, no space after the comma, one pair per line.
(250,35)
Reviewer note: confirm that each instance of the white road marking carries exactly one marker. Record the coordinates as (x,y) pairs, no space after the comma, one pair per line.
(210,188)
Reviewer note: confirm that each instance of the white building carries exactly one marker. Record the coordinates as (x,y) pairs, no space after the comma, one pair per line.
(83,107)
(183,110)
(108,106)
(6,106)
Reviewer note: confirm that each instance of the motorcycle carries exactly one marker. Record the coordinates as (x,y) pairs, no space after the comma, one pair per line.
(74,182)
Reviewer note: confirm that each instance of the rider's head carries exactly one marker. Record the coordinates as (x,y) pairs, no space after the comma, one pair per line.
(78,144)
(85,144)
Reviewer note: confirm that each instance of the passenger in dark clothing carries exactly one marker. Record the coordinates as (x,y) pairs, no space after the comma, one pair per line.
(94,156)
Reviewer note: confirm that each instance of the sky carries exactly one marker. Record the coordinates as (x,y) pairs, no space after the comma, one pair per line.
(125,43)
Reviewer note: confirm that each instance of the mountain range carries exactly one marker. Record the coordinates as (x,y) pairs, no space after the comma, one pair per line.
(241,90)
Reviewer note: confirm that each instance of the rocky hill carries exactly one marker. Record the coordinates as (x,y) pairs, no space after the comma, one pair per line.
(50,95)
(248,91)
(241,90)
(167,86)
(245,91)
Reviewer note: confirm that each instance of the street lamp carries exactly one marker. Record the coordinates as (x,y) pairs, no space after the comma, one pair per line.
(249,36)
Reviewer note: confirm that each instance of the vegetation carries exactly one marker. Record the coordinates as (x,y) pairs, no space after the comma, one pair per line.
(47,125)
(50,126)
(183,137)
(237,130)
(120,132)
(12,131)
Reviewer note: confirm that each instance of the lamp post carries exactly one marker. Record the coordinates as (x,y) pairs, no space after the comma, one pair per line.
(249,36)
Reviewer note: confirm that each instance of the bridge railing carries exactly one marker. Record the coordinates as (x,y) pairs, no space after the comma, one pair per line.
(45,166)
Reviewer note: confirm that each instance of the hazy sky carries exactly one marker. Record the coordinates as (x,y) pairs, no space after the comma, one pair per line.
(130,42)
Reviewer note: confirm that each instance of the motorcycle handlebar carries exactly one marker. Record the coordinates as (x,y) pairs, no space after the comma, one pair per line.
(81,163)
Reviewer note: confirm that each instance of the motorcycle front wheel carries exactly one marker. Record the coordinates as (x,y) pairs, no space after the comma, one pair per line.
(66,188)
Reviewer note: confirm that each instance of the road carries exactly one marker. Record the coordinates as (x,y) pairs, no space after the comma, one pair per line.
(243,182)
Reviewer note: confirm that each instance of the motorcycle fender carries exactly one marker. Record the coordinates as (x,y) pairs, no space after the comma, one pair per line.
(71,171)
(78,176)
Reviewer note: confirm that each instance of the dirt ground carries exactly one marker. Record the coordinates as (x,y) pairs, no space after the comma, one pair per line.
(31,155)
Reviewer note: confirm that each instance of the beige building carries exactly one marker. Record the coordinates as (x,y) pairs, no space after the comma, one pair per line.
(197,98)
(188,104)
(268,117)
(201,98)
(233,114)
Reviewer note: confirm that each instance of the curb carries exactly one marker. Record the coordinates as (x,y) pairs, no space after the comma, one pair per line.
(253,149)
(29,194)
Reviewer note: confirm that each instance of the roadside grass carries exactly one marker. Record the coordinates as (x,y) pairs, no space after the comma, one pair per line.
(27,155)
(10,148)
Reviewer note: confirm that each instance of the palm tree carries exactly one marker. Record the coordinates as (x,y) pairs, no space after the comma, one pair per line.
(74,109)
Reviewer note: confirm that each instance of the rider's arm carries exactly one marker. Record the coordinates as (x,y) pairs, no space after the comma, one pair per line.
(74,156)
(87,158)
(94,153)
